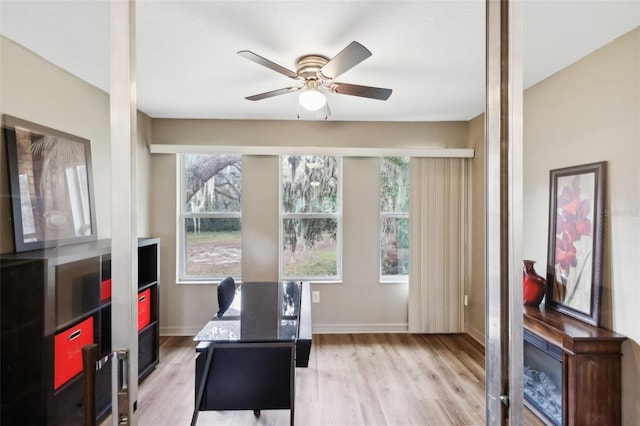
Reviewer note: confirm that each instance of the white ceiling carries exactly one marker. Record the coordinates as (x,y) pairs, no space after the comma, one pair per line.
(431,53)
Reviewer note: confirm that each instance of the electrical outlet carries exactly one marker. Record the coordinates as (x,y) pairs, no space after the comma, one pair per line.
(315,296)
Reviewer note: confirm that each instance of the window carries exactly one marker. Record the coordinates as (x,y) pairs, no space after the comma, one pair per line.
(394,219)
(210,217)
(310,211)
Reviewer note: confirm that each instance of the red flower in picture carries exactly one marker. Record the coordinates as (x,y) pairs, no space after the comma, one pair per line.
(565,252)
(583,224)
(572,223)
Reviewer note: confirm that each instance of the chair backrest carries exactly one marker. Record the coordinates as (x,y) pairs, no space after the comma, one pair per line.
(226,291)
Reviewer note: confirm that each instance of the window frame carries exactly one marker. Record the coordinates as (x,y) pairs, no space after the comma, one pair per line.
(337,216)
(391,279)
(181,237)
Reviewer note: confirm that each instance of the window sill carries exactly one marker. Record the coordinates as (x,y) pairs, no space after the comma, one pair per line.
(314,282)
(201,282)
(403,281)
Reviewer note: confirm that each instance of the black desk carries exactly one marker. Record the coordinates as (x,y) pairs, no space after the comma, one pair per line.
(247,358)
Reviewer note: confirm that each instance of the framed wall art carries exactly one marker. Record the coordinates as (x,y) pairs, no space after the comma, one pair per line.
(576,228)
(51,185)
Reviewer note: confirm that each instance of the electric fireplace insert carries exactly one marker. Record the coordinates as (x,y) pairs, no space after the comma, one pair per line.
(542,385)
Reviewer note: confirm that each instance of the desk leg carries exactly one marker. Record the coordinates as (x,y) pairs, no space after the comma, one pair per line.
(203,383)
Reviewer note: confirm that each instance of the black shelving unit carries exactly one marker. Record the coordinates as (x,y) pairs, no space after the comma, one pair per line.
(148,288)
(52,302)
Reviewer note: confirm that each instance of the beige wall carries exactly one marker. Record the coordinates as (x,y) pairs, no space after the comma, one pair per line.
(259,214)
(143,174)
(35,90)
(359,302)
(475,311)
(300,133)
(590,112)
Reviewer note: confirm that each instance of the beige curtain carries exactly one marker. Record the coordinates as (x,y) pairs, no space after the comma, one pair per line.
(437,218)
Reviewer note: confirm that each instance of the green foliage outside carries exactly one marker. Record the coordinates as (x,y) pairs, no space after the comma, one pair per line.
(394,207)
(395,248)
(321,264)
(201,237)
(213,183)
(310,184)
(394,184)
(205,225)
(213,254)
(213,202)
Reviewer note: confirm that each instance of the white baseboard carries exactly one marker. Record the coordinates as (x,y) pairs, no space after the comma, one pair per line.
(317,329)
(179,331)
(359,328)
(330,329)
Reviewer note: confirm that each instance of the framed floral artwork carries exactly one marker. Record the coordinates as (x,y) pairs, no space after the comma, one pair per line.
(576,228)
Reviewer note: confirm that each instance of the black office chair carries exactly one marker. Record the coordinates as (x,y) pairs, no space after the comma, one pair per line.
(226,291)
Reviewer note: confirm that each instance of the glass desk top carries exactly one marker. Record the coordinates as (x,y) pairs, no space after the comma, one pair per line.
(260,312)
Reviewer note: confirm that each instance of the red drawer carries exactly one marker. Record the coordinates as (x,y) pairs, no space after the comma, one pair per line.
(105,290)
(144,308)
(68,351)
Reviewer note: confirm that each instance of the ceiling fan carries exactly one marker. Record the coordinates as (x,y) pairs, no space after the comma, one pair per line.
(316,73)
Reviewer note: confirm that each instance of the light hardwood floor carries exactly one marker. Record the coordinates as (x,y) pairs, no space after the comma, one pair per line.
(352,379)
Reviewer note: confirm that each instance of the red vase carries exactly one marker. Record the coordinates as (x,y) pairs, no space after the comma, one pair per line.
(534,286)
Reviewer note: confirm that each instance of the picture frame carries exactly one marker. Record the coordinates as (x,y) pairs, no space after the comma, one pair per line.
(51,183)
(575,243)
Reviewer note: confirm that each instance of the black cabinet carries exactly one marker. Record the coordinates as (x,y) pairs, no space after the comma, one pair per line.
(52,302)
(148,307)
(22,392)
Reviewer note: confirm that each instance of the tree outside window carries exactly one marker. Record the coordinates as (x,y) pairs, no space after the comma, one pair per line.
(394,218)
(211,206)
(310,217)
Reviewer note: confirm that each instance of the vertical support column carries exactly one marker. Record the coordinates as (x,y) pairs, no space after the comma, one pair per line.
(503,344)
(124,256)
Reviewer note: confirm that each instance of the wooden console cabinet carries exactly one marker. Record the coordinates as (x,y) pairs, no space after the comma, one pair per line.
(591,367)
(54,301)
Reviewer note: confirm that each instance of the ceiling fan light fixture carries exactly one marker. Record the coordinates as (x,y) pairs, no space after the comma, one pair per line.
(316,73)
(312,99)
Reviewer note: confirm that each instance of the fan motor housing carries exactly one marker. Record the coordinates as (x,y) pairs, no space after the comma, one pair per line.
(308,67)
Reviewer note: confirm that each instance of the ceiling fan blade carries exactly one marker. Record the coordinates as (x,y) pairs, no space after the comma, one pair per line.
(348,58)
(362,91)
(267,63)
(272,93)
